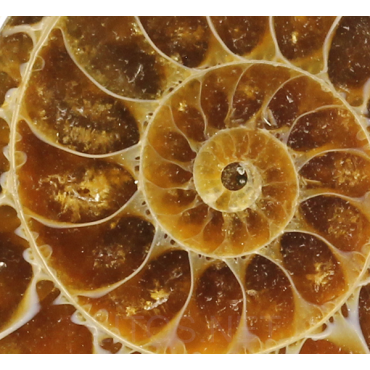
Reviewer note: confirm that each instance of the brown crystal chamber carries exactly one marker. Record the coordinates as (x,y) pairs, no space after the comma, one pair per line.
(185,185)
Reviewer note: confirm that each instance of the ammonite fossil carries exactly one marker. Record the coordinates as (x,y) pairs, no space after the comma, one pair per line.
(185,185)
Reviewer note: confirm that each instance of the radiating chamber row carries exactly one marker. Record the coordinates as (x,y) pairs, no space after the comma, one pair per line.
(182,166)
(30,319)
(112,120)
(211,306)
(95,84)
(137,52)
(130,55)
(161,288)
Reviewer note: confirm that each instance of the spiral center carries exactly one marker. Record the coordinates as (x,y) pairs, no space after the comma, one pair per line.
(232,173)
(234,176)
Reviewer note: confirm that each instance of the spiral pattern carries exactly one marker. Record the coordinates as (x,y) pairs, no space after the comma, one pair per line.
(185,184)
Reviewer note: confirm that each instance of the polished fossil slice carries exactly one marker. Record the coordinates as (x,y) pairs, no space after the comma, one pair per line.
(184,185)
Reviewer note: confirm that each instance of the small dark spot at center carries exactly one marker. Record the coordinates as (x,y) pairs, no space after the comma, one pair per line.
(234,176)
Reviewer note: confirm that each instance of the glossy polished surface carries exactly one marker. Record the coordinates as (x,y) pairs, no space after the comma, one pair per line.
(184,185)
